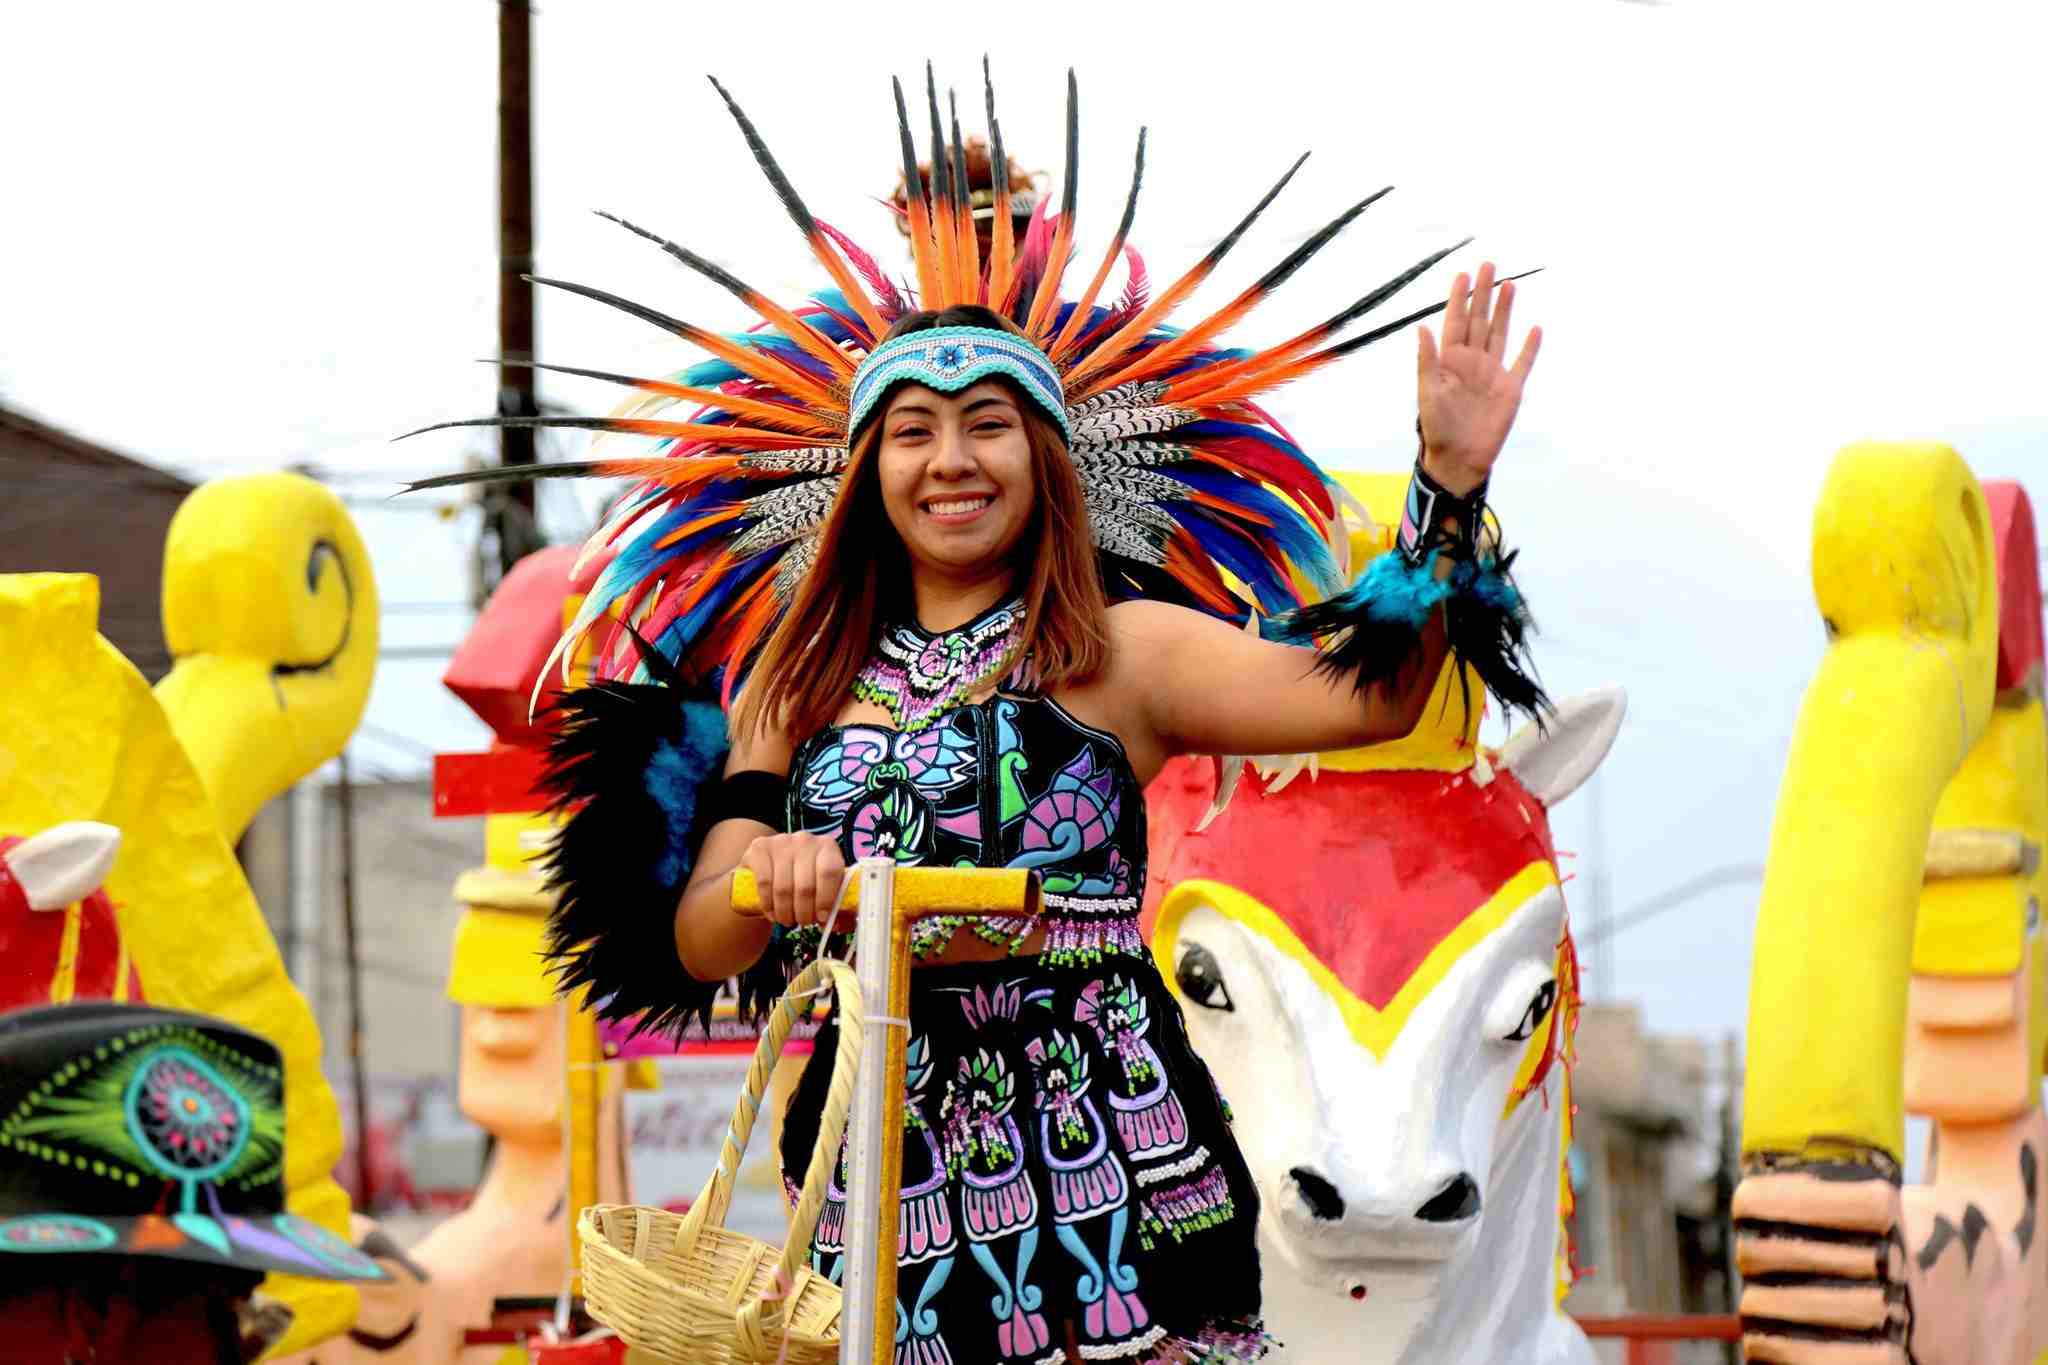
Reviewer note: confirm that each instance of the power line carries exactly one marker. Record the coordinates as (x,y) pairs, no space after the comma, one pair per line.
(1735,874)
(394,737)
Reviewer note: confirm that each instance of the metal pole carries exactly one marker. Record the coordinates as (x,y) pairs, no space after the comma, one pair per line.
(357,1076)
(308,886)
(870,1256)
(867,1324)
(512,509)
(1603,944)
(1727,1173)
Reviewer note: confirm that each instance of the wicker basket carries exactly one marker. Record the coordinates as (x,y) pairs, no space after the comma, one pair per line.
(687,1289)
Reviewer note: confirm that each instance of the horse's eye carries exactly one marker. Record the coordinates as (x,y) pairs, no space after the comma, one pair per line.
(1201,980)
(1539,1010)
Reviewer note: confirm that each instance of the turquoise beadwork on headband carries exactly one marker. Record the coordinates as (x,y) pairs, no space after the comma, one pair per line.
(950,359)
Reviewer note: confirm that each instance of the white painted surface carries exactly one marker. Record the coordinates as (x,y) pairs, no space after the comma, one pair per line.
(63,864)
(1386,1135)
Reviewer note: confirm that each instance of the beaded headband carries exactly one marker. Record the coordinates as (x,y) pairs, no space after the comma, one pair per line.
(950,359)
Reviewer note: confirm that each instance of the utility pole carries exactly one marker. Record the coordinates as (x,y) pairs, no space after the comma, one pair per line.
(358,1069)
(509,509)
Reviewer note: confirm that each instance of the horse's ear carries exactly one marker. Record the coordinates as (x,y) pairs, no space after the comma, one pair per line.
(1555,762)
(65,863)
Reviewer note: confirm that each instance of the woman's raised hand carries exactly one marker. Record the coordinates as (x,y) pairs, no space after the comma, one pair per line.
(1466,392)
(798,876)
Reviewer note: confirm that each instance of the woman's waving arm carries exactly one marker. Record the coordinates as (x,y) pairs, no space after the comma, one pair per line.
(1209,688)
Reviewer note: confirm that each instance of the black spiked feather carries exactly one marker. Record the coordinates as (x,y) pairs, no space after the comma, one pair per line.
(1296,258)
(541,423)
(784,191)
(1392,287)
(1222,248)
(942,165)
(913,183)
(1365,339)
(641,311)
(508,473)
(717,274)
(1123,227)
(1073,181)
(959,158)
(627,380)
(999,165)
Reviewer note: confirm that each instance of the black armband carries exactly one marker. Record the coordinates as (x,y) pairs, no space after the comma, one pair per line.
(754,794)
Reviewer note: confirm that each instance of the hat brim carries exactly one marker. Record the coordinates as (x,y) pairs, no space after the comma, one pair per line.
(284,1244)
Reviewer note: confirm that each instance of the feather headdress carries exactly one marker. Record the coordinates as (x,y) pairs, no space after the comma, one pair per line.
(1194,494)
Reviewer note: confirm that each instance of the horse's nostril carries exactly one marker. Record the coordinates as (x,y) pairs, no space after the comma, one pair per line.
(1319,1194)
(1454,1203)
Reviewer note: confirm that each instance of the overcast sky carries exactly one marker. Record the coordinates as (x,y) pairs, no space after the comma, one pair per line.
(238,235)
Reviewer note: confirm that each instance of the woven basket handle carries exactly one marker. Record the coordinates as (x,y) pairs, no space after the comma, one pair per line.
(712,1202)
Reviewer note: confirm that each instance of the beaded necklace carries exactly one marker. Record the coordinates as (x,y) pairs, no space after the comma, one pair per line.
(918,676)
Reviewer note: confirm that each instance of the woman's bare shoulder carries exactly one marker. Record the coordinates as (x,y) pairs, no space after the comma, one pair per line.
(766,747)
(1141,620)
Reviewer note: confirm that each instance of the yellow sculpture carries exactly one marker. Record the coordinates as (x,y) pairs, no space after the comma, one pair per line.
(1898,956)
(270,610)
(532,1073)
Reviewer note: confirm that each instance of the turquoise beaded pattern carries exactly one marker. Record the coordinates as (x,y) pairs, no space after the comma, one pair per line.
(950,359)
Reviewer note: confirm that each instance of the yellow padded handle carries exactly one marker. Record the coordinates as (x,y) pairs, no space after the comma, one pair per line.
(929,891)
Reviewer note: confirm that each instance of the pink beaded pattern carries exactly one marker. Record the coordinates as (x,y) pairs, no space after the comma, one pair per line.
(918,677)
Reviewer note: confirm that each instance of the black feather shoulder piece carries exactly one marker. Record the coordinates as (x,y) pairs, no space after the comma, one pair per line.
(1371,629)
(630,764)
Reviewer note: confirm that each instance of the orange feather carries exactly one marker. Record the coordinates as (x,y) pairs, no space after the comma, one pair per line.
(945,219)
(1272,377)
(1165,355)
(750,438)
(756,611)
(1197,571)
(671,471)
(795,328)
(795,420)
(746,359)
(724,514)
(1134,331)
(1070,335)
(850,286)
(1002,239)
(970,248)
(921,253)
(1049,284)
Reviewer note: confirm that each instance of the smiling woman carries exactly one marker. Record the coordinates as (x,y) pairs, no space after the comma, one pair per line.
(982,495)
(964,573)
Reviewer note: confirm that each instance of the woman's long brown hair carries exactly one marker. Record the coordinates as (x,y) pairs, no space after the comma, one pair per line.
(801,678)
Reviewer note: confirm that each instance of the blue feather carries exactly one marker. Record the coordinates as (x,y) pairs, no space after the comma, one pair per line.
(709,374)
(1296,538)
(1230,546)
(676,770)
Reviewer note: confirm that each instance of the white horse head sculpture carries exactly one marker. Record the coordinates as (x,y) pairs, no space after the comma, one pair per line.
(1377,966)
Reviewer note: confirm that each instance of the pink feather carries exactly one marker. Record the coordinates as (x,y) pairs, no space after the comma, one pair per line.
(887,297)
(1137,292)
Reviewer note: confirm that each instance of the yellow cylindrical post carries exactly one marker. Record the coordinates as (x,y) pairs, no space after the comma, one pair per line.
(584,1096)
(1903,572)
